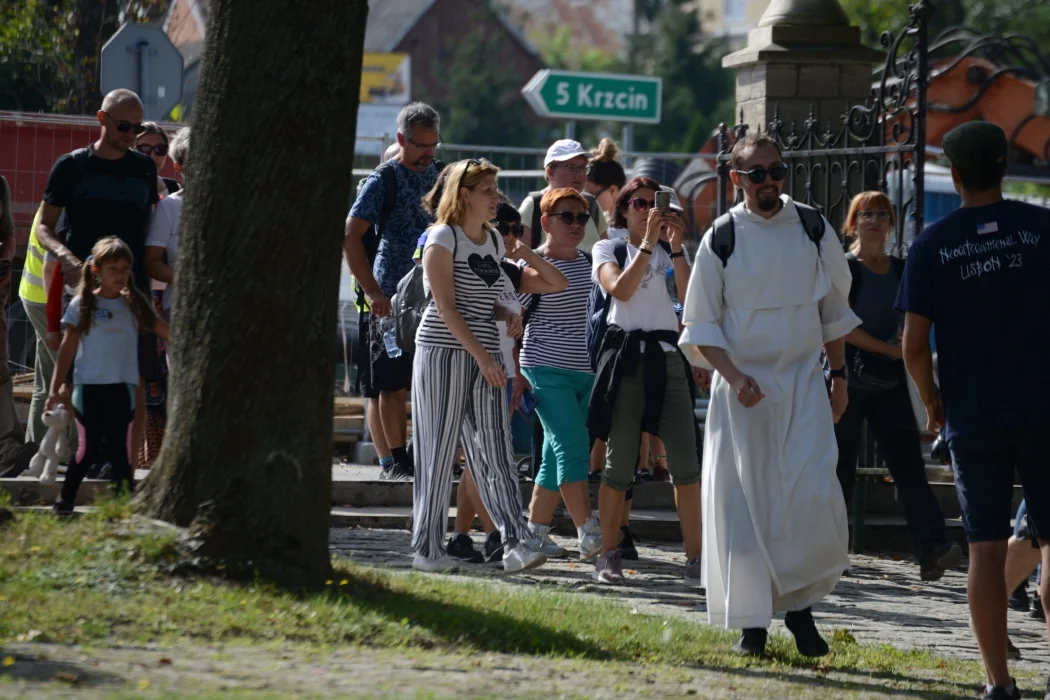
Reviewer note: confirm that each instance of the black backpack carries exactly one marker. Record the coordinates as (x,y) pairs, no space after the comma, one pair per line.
(537,227)
(724,232)
(896,267)
(410,301)
(600,302)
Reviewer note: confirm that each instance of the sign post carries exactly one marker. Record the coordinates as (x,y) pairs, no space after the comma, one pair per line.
(140,57)
(595,96)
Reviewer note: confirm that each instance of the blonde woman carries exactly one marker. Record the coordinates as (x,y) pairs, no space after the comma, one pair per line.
(459,382)
(878,386)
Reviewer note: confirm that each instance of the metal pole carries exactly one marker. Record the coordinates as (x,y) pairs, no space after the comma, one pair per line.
(628,143)
(144,78)
(570,129)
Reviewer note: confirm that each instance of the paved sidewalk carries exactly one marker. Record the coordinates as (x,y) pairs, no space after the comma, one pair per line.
(881,601)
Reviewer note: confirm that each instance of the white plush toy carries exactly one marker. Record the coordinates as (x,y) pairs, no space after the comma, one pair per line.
(45,462)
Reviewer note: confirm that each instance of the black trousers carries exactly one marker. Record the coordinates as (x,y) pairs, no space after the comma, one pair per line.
(103,416)
(891,420)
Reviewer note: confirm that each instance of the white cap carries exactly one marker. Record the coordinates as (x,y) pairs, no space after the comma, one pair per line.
(565,149)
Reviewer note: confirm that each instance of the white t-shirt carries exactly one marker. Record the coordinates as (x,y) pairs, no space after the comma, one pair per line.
(164,233)
(616,233)
(478,280)
(109,352)
(651,307)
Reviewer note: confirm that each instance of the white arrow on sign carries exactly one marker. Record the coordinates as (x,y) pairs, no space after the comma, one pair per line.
(531,92)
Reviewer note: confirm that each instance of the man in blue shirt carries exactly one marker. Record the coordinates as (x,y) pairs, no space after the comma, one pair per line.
(380,241)
(981,277)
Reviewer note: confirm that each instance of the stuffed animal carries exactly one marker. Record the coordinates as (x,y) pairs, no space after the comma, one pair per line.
(45,462)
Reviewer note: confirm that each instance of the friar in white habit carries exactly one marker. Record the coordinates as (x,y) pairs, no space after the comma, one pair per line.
(769,289)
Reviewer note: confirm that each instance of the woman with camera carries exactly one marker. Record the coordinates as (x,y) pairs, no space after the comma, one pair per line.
(878,384)
(643,381)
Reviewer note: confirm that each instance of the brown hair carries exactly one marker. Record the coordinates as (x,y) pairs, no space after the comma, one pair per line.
(743,148)
(152,128)
(862,202)
(432,199)
(604,170)
(452,207)
(108,250)
(627,194)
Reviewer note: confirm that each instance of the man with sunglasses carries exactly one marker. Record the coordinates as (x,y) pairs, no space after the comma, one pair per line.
(775,531)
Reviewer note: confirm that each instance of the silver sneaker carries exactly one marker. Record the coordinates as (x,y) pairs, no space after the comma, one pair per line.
(548,547)
(609,568)
(590,540)
(521,556)
(693,573)
(442,565)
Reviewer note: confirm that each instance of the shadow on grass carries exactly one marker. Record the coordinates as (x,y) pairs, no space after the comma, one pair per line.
(825,686)
(457,624)
(30,669)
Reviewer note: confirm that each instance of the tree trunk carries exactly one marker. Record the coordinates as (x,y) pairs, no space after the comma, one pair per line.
(96,21)
(246,462)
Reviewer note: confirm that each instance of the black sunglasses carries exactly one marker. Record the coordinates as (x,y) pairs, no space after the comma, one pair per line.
(463,175)
(568,218)
(125,126)
(160,150)
(758,175)
(514,228)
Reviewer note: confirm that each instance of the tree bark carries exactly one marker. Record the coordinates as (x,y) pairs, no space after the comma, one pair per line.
(246,463)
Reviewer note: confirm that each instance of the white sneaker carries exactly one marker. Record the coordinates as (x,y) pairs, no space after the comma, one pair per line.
(521,556)
(590,540)
(549,547)
(443,565)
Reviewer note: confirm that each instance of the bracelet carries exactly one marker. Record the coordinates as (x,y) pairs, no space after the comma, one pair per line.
(679,254)
(647,251)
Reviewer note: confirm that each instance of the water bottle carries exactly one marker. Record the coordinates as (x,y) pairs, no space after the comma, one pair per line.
(388,326)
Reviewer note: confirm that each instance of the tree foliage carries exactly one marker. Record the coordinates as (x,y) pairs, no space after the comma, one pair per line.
(49,50)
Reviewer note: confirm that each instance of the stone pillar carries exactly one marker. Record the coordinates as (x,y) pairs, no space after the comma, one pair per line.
(803,53)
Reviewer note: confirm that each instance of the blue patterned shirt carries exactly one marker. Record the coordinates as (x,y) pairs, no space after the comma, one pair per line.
(406,221)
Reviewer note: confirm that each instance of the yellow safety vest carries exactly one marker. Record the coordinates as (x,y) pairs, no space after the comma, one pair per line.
(32,287)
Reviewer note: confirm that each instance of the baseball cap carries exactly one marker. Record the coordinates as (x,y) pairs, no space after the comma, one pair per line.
(565,149)
(976,146)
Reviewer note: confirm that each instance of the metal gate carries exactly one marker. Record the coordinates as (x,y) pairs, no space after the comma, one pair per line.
(877,145)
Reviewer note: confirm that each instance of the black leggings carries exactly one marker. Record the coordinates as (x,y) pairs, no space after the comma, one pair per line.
(103,417)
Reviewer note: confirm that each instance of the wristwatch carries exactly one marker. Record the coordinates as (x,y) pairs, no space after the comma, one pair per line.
(646,247)
(679,254)
(839,373)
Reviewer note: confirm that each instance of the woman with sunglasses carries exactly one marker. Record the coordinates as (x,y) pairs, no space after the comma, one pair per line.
(153,142)
(877,384)
(644,382)
(458,378)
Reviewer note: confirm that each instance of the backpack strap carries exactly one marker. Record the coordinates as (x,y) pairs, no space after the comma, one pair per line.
(595,209)
(857,274)
(388,175)
(537,227)
(812,222)
(723,237)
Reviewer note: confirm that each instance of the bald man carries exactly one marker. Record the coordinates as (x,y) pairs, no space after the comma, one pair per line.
(105,189)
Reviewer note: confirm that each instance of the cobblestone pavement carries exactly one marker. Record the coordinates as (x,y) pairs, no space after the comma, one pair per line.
(881,600)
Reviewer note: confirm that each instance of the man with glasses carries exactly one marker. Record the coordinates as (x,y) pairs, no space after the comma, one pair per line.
(382,231)
(105,189)
(759,313)
(565,166)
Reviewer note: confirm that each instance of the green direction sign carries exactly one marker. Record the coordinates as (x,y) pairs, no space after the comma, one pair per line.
(595,96)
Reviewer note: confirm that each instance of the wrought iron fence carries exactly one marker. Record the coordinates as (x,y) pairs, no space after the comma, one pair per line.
(880,144)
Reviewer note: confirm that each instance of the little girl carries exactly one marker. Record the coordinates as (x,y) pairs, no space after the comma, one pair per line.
(101,329)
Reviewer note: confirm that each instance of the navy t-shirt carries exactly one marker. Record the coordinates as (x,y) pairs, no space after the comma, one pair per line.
(982,275)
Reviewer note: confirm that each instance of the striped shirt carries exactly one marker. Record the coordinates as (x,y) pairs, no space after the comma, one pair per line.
(557,332)
(478,281)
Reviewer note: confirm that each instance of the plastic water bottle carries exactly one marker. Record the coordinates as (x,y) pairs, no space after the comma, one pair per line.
(389,328)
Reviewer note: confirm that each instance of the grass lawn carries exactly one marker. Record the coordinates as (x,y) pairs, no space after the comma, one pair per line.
(103,582)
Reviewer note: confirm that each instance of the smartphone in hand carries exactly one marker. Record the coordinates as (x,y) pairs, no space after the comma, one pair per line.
(663,201)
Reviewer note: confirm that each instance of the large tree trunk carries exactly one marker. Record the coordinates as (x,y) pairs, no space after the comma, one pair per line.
(246,463)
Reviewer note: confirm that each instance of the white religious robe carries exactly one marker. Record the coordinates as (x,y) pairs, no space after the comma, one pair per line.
(775,529)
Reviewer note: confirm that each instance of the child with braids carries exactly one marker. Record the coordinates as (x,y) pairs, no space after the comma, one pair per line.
(101,331)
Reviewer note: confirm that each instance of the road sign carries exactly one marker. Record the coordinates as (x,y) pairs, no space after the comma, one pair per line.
(140,57)
(595,96)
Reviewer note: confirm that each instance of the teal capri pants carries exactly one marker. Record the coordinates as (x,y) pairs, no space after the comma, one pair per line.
(562,396)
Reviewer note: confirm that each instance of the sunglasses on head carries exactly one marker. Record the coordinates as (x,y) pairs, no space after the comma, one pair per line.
(758,175)
(510,228)
(126,126)
(568,218)
(463,175)
(161,149)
